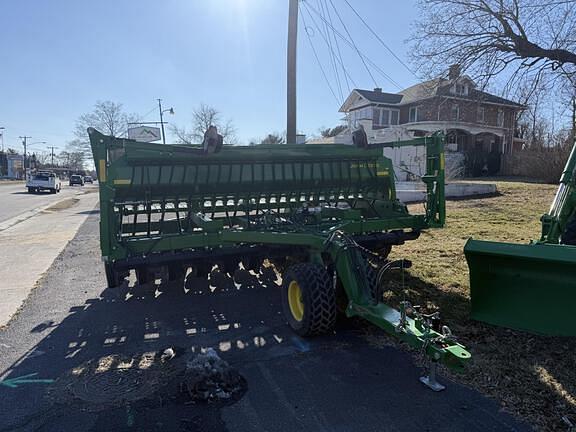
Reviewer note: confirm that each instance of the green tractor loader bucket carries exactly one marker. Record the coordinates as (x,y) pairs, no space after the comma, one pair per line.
(525,287)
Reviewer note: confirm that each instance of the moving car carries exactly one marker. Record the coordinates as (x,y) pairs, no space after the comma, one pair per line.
(43,180)
(76,179)
(88,179)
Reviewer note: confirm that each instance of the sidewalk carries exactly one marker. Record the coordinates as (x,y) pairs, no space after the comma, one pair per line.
(29,248)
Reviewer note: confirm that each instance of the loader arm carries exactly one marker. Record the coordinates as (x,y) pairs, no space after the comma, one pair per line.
(563,208)
(530,287)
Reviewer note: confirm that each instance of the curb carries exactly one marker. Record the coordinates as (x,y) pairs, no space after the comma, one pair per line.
(28,214)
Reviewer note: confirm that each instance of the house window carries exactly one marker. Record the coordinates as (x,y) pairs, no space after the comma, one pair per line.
(413,115)
(480,115)
(500,118)
(460,89)
(455,112)
(385,117)
(376,116)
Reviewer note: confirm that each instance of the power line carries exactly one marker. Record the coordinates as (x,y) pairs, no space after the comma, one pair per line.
(338,49)
(380,40)
(326,42)
(317,58)
(332,54)
(353,45)
(362,56)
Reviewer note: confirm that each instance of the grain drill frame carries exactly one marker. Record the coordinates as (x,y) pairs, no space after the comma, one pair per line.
(327,214)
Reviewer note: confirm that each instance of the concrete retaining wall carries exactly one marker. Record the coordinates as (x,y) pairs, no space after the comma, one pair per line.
(411,192)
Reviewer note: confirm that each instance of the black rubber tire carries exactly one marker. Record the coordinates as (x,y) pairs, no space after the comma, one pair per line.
(142,276)
(52,191)
(376,289)
(318,298)
(30,190)
(569,235)
(113,277)
(176,272)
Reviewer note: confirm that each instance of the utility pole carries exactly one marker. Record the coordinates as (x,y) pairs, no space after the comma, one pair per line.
(2,136)
(24,138)
(52,155)
(291,72)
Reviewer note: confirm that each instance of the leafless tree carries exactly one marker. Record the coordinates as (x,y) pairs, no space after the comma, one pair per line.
(107,117)
(71,159)
(273,138)
(42,158)
(331,132)
(202,118)
(524,39)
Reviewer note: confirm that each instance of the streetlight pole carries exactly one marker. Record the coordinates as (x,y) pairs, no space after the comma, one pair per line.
(161,121)
(2,135)
(171,111)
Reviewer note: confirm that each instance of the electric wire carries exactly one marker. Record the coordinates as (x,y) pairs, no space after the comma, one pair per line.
(331,52)
(317,58)
(380,40)
(353,44)
(362,56)
(338,49)
(318,29)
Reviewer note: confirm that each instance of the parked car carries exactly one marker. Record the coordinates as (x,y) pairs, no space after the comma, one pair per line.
(76,179)
(43,180)
(88,179)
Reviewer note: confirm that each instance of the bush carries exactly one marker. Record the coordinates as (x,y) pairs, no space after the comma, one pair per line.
(545,164)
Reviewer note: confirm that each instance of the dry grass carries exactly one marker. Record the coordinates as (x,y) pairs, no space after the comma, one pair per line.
(531,376)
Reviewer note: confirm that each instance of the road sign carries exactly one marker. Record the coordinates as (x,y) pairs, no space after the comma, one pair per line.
(144,133)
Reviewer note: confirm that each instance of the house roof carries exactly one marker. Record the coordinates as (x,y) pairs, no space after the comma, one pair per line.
(422,90)
(441,86)
(487,97)
(434,87)
(380,96)
(371,96)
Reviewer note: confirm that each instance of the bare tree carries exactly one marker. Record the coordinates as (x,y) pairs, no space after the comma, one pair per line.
(202,118)
(42,158)
(525,38)
(107,117)
(71,159)
(273,138)
(331,132)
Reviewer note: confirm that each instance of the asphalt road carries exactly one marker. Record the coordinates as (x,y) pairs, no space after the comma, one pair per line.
(15,200)
(102,349)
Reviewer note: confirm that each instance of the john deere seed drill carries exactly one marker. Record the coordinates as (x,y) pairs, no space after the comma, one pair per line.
(325,214)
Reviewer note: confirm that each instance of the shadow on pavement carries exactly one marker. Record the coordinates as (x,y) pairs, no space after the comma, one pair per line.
(105,358)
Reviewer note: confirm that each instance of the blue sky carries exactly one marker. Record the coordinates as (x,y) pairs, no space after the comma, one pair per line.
(58,57)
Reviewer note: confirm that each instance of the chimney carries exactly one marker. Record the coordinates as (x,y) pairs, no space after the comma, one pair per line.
(377,89)
(454,72)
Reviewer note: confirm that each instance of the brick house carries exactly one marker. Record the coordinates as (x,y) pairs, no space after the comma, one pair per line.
(478,125)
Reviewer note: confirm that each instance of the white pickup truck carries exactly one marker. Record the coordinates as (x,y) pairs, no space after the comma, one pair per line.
(43,180)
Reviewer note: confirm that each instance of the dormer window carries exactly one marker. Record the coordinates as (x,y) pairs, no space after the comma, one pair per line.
(460,89)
